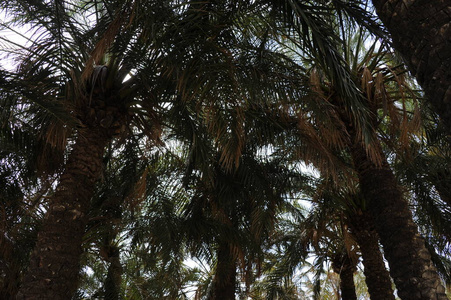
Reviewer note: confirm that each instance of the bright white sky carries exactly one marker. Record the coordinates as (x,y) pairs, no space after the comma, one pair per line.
(11,39)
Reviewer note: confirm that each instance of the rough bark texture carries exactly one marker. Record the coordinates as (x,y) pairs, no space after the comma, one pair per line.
(54,264)
(410,262)
(421,32)
(377,277)
(345,267)
(225,276)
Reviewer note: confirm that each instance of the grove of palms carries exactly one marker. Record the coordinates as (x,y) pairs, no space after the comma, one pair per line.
(138,137)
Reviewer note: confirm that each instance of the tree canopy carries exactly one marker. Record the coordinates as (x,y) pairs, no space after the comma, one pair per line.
(224,150)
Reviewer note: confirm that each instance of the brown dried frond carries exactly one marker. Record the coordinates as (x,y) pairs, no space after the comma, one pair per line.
(231,153)
(219,214)
(374,153)
(103,45)
(316,83)
(138,195)
(228,132)
(380,93)
(332,127)
(75,90)
(57,135)
(316,148)
(367,83)
(349,243)
(404,122)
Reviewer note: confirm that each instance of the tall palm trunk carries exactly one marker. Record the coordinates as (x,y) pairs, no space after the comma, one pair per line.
(420,30)
(54,264)
(343,265)
(377,277)
(409,260)
(225,275)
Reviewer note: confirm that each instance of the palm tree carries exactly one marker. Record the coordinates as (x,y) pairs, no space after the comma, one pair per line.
(86,78)
(231,210)
(201,222)
(420,31)
(341,209)
(393,219)
(356,126)
(343,265)
(361,225)
(239,206)
(123,170)
(154,255)
(377,277)
(323,234)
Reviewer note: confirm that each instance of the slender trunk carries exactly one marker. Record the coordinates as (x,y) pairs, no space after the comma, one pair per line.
(109,250)
(225,275)
(377,277)
(54,263)
(421,31)
(410,262)
(114,276)
(345,267)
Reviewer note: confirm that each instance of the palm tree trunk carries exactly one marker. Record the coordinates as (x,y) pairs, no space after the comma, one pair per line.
(410,262)
(377,277)
(420,30)
(345,267)
(225,275)
(54,263)
(114,276)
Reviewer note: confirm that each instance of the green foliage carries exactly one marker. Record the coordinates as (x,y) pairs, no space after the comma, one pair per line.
(222,101)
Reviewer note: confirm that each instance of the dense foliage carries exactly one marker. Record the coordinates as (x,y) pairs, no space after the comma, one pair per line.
(217,150)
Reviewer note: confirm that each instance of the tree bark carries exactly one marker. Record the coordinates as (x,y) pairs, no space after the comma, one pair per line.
(345,267)
(410,263)
(225,276)
(377,277)
(54,263)
(421,31)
